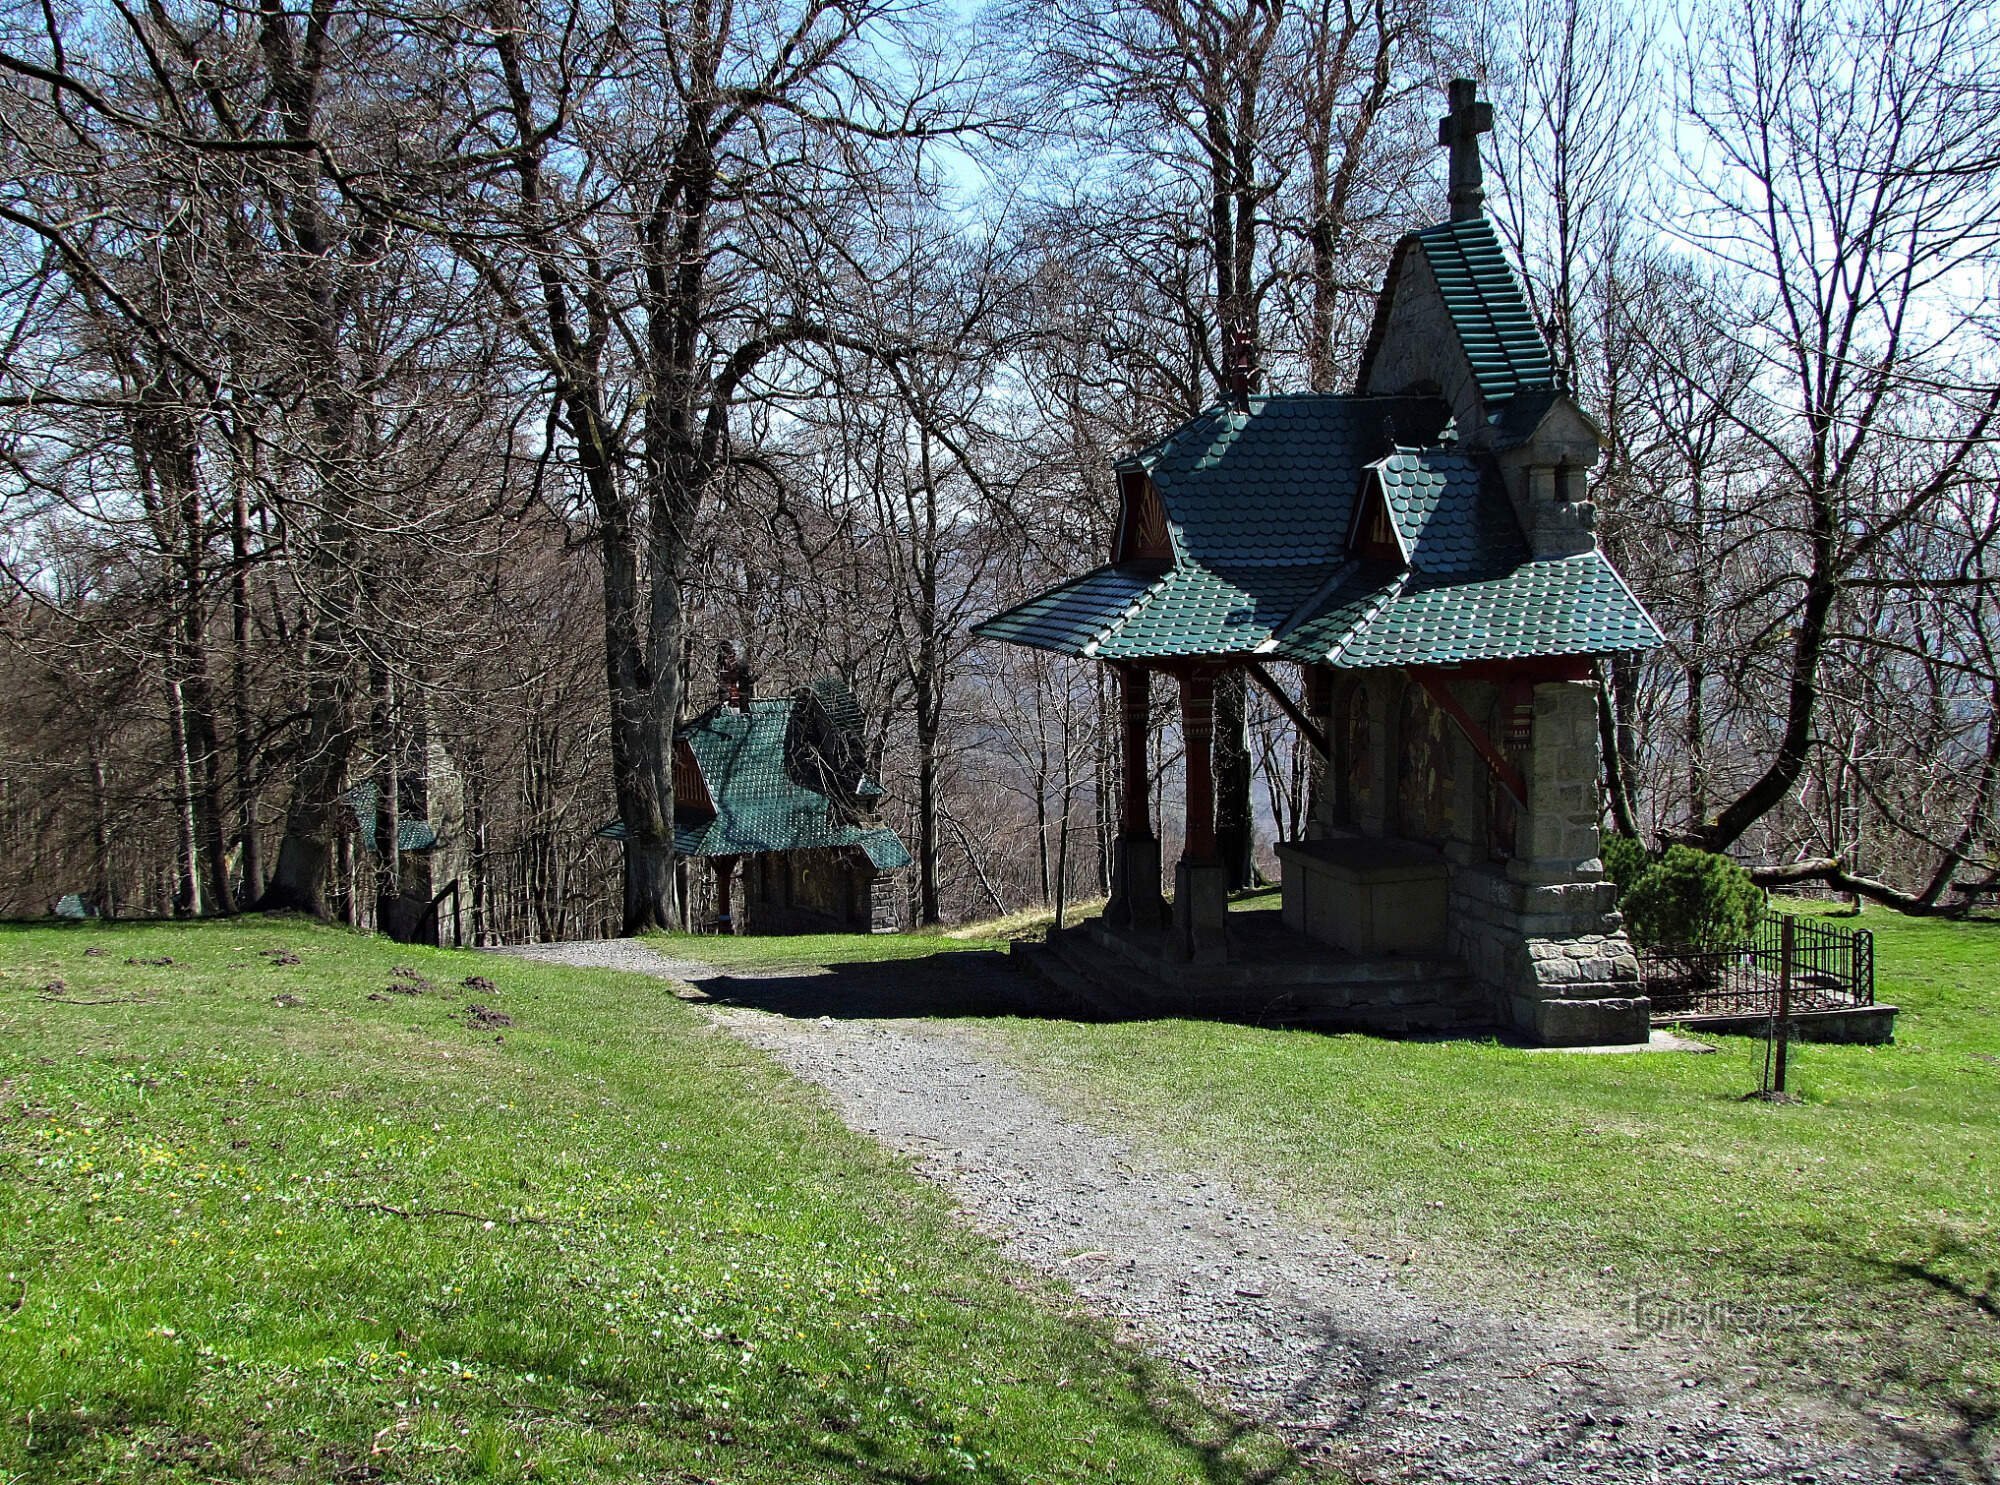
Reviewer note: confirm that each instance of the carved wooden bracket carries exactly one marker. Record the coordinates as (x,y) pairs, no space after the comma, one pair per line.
(1308,728)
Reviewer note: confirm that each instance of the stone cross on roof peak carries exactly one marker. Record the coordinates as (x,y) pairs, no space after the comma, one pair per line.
(1459,130)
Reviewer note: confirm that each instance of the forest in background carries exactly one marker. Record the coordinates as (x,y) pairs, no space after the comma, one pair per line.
(400,380)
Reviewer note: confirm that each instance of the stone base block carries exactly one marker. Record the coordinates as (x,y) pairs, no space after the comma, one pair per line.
(1201,912)
(1563,1022)
(1366,896)
(1862,1025)
(1136,900)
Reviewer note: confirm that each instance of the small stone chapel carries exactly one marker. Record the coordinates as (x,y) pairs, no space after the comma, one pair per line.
(1423,551)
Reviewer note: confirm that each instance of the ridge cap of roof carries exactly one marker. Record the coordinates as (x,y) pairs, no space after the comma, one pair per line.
(1376,601)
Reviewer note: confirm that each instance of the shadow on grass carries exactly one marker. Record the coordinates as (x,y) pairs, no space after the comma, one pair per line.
(1980,1300)
(976,986)
(956,984)
(1968,1447)
(1223,1448)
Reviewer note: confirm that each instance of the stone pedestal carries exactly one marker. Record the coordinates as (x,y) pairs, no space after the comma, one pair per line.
(1201,912)
(1136,901)
(1543,931)
(1553,954)
(1366,896)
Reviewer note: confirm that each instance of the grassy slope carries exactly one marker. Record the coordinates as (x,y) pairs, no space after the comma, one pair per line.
(1868,1217)
(785,951)
(634,1249)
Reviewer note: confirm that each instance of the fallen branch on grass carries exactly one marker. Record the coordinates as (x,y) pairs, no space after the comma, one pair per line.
(109,1000)
(413,1213)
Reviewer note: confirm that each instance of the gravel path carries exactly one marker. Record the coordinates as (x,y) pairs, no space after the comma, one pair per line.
(1292,1327)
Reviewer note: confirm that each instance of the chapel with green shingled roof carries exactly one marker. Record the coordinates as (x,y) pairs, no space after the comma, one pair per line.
(1422,552)
(778,786)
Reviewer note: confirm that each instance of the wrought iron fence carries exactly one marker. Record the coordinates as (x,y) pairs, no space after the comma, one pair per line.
(1820,966)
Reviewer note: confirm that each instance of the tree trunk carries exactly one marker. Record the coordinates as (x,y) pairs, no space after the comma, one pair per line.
(187,887)
(197,697)
(1617,776)
(100,821)
(1106,813)
(1042,823)
(1694,738)
(648,844)
(1794,746)
(929,909)
(1062,853)
(252,885)
(477,868)
(299,878)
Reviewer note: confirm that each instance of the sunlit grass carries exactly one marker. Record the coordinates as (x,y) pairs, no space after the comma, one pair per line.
(265,1213)
(1855,1236)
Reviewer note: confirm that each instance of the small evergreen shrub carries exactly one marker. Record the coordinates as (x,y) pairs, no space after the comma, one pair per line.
(1625,860)
(1694,899)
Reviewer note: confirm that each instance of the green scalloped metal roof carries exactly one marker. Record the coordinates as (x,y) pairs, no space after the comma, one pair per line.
(759,806)
(1487,308)
(1556,606)
(687,834)
(1472,592)
(1276,484)
(1206,611)
(1073,617)
(884,848)
(1354,595)
(364,799)
(1450,517)
(1129,613)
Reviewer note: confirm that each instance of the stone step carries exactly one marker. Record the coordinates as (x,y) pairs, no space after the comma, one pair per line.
(1300,988)
(1118,976)
(1075,987)
(1116,987)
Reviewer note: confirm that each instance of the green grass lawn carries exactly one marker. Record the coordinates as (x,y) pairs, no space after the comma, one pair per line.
(1855,1236)
(786,951)
(265,1214)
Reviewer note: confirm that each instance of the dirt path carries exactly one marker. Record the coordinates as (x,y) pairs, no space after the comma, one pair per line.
(1292,1327)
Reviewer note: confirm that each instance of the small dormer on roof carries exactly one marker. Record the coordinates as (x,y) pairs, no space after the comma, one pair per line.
(1442,513)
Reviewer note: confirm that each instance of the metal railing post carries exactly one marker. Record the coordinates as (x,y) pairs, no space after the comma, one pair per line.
(1787,945)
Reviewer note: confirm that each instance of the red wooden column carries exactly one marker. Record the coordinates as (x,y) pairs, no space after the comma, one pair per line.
(1201,885)
(1134,691)
(1136,901)
(1198,733)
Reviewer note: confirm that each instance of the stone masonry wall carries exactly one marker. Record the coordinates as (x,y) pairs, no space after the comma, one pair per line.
(1548,923)
(1540,932)
(1420,346)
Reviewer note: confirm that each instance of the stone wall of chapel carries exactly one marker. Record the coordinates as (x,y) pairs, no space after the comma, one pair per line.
(1420,346)
(808,891)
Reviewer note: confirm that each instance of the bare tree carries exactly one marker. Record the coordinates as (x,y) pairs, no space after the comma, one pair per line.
(654,219)
(1838,177)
